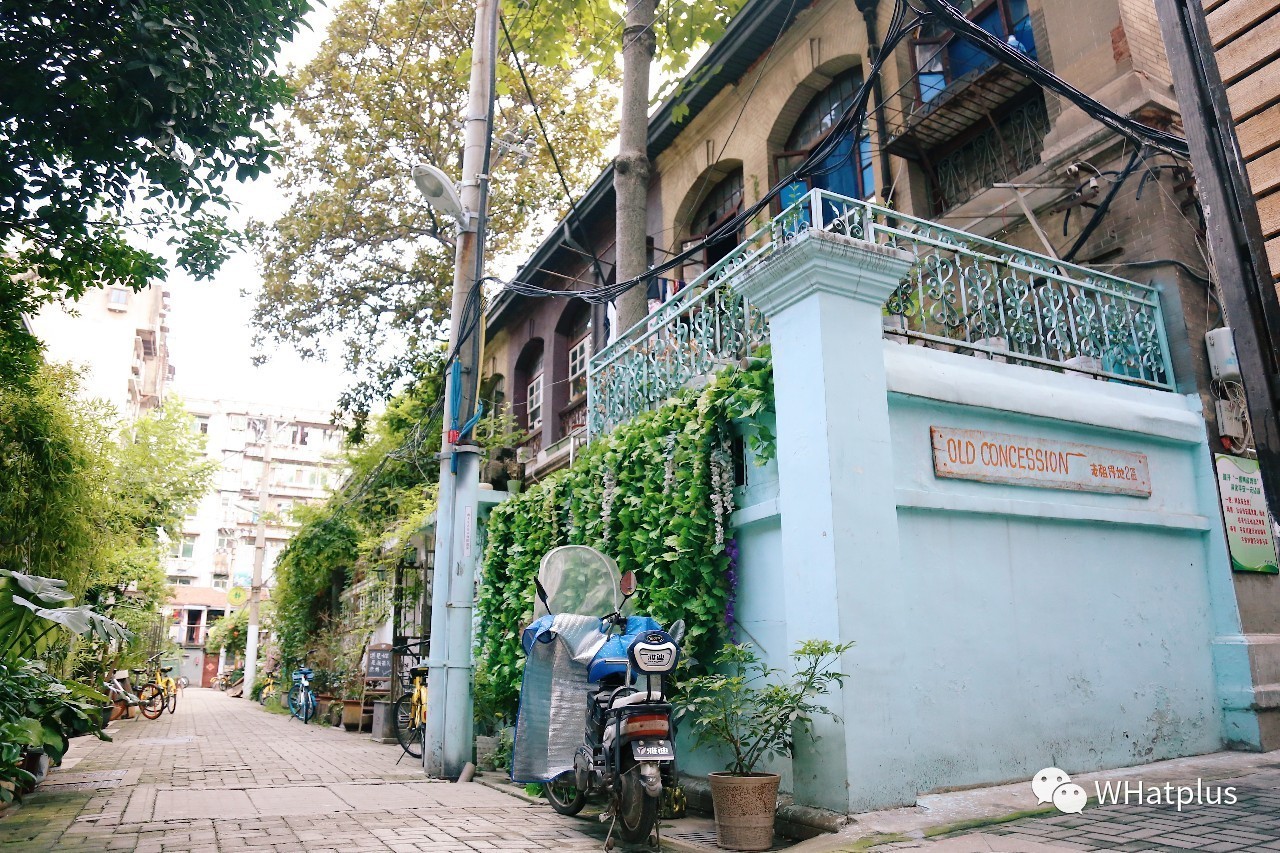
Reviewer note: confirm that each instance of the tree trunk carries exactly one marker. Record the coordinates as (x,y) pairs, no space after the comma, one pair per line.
(631,167)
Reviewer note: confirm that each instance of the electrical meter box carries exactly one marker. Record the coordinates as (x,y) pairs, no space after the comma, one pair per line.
(1223,365)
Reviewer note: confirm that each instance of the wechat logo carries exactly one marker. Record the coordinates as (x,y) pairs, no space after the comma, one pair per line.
(1052,785)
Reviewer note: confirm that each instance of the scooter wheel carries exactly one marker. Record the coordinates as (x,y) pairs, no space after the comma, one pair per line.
(636,811)
(564,794)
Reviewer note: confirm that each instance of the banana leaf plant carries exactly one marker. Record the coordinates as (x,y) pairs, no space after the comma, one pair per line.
(38,711)
(30,620)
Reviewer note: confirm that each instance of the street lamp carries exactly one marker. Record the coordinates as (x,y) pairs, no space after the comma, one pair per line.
(438,190)
(448,742)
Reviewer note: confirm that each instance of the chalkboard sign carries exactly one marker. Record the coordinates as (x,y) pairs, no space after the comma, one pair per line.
(379,661)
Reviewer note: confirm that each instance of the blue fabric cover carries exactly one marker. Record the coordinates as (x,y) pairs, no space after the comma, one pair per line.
(612,657)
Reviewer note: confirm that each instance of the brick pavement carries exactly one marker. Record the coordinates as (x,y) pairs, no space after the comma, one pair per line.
(1251,824)
(224,775)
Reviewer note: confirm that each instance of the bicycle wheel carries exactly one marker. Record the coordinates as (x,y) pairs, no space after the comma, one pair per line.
(173,700)
(151,701)
(308,705)
(295,694)
(184,682)
(409,735)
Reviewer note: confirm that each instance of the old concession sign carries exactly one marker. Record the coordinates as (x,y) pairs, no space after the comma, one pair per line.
(1019,460)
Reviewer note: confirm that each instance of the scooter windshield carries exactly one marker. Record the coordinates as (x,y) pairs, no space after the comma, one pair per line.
(578,580)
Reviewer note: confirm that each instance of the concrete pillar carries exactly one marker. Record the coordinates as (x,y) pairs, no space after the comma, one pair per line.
(823,295)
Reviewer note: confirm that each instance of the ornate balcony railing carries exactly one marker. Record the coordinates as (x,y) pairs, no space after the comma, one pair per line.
(697,331)
(964,293)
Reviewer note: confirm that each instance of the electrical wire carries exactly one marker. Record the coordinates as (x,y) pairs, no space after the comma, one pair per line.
(993,46)
(1163,262)
(1101,210)
(706,178)
(555,161)
(854,116)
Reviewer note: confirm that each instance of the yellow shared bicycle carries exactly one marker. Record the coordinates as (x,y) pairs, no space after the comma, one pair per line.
(159,692)
(270,686)
(411,709)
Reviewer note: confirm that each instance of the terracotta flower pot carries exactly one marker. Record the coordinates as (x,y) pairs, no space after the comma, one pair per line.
(744,807)
(352,709)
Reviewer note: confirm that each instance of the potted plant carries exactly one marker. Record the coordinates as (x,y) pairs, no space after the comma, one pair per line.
(352,683)
(753,709)
(352,708)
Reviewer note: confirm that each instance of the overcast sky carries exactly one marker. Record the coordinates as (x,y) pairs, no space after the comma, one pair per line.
(210,338)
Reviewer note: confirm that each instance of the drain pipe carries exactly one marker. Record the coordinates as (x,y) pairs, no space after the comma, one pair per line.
(868,10)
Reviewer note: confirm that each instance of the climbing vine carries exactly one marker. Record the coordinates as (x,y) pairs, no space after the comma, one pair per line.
(656,495)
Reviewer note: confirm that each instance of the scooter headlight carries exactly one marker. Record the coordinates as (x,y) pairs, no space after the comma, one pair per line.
(654,653)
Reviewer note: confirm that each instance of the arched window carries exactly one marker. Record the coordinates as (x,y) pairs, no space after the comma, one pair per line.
(579,340)
(722,202)
(847,168)
(529,401)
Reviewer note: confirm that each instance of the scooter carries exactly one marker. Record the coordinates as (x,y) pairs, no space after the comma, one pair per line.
(618,664)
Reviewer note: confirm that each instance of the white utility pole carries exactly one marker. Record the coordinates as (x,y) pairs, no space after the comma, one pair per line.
(259,557)
(449,736)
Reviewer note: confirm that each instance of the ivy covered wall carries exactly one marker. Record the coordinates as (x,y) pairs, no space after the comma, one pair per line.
(656,495)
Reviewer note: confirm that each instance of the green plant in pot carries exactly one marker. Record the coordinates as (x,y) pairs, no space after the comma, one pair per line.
(753,709)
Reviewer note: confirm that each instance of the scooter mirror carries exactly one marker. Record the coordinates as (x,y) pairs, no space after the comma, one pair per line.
(628,584)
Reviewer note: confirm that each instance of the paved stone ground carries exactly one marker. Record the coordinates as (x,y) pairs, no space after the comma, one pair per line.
(1251,824)
(224,775)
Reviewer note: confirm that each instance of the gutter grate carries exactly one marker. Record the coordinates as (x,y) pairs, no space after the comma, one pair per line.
(695,837)
(52,786)
(707,838)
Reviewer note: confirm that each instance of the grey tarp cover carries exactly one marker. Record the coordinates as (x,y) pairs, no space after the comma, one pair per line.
(553,696)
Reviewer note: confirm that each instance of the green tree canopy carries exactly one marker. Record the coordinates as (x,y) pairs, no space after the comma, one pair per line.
(82,496)
(122,120)
(359,255)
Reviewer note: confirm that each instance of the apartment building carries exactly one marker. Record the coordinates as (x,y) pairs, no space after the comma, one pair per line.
(952,138)
(215,549)
(120,340)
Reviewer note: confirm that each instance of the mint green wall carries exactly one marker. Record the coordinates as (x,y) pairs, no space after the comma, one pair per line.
(1000,628)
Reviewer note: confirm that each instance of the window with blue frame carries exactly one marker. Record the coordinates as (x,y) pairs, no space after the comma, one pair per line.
(941,58)
(847,168)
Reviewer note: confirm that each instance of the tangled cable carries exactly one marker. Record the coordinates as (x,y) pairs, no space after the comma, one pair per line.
(906,19)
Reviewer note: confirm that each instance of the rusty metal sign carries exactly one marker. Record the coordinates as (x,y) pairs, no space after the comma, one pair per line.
(1044,463)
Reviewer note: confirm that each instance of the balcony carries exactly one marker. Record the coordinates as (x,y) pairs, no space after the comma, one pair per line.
(573,417)
(965,294)
(956,86)
(531,447)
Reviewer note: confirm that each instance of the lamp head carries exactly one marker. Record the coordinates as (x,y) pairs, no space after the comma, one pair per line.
(438,190)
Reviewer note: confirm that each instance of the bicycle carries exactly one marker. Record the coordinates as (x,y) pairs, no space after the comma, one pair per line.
(302,701)
(270,687)
(121,700)
(160,692)
(410,710)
